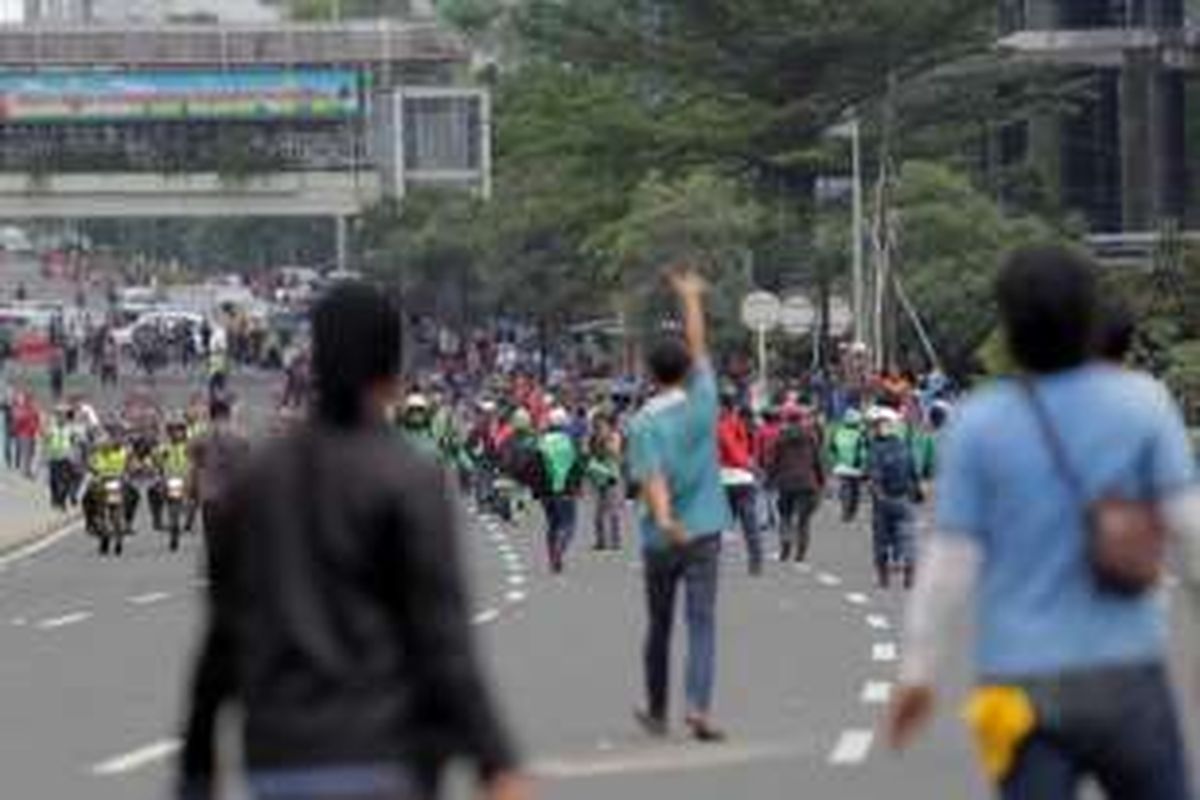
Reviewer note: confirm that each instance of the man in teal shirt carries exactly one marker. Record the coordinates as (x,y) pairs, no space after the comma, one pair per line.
(673,457)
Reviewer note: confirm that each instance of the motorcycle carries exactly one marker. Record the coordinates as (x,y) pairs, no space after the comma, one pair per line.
(176,499)
(112,528)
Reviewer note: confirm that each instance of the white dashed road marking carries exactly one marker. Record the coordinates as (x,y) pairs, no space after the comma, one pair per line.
(667,759)
(515,597)
(828,579)
(63,621)
(149,599)
(486,617)
(885,651)
(137,759)
(878,622)
(857,599)
(877,692)
(852,748)
(516,579)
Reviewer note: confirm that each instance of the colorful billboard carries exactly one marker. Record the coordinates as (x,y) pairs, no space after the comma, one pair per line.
(178,96)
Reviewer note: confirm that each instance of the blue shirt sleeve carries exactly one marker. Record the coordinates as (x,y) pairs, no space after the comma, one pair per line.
(645,458)
(960,493)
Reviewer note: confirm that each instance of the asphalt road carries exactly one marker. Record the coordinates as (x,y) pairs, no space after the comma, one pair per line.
(96,654)
(95,659)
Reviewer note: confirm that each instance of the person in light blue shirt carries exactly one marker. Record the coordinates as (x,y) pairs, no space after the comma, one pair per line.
(673,458)
(1087,663)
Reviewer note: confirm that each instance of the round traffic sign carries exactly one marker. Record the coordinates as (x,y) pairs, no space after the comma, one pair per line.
(760,311)
(798,315)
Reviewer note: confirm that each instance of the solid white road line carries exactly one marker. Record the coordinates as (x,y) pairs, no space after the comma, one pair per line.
(858,599)
(609,762)
(852,748)
(828,579)
(30,550)
(515,597)
(885,651)
(876,692)
(486,617)
(149,599)
(878,622)
(63,621)
(137,759)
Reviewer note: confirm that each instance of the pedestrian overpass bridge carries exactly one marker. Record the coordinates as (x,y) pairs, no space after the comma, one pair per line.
(234,120)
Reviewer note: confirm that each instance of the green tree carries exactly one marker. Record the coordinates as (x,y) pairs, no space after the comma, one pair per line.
(952,241)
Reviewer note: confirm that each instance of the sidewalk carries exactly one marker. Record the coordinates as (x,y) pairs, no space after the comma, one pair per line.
(25,512)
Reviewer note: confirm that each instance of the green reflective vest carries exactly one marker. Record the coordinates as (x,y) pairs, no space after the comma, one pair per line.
(559,456)
(110,463)
(174,459)
(58,442)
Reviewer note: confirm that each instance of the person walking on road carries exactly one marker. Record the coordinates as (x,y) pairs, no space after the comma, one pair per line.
(673,458)
(604,475)
(59,447)
(796,472)
(736,452)
(895,488)
(561,470)
(338,619)
(27,429)
(848,453)
(1055,493)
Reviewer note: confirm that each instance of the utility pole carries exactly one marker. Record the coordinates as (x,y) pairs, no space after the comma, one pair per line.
(858,276)
(883,234)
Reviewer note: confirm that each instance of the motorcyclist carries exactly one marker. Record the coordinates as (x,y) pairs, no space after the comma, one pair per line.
(108,461)
(172,459)
(416,423)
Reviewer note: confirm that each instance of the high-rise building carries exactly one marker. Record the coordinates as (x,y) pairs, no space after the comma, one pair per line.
(50,11)
(1123,158)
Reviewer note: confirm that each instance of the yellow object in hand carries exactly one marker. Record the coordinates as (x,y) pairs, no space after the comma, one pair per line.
(1002,718)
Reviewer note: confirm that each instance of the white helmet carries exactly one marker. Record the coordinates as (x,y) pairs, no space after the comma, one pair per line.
(559,418)
(416,402)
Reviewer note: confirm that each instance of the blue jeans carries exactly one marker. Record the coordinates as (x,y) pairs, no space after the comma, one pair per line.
(1117,725)
(348,782)
(561,513)
(743,500)
(892,522)
(697,565)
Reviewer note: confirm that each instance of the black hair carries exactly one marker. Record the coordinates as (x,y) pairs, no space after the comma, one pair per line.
(356,333)
(1048,298)
(669,361)
(1115,332)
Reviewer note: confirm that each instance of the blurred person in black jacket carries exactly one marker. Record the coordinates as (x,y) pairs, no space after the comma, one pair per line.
(338,620)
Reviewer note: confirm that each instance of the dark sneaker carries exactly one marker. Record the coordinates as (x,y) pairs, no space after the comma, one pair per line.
(703,730)
(650,724)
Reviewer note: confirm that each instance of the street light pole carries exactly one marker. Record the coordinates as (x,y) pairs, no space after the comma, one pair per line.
(858,278)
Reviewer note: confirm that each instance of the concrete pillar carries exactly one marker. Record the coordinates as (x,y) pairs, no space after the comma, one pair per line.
(1139,156)
(342,233)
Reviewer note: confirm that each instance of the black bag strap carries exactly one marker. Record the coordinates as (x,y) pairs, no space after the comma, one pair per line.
(1058,452)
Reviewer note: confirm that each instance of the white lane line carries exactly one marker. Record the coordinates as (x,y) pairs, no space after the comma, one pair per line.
(613,762)
(30,550)
(137,759)
(515,596)
(878,622)
(852,748)
(149,599)
(885,652)
(486,617)
(63,621)
(857,598)
(877,692)
(516,579)
(828,579)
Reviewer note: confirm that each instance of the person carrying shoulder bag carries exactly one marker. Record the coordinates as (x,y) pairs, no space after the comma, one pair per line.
(1056,496)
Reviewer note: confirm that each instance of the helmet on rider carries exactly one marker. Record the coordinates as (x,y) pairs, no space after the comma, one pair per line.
(417,412)
(177,430)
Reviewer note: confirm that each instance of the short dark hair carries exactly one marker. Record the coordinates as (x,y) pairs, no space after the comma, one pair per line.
(669,361)
(356,333)
(1115,333)
(1048,299)
(220,408)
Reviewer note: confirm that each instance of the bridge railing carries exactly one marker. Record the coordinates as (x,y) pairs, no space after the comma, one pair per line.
(351,43)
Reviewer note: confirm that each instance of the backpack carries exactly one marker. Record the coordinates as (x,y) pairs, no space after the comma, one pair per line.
(892,468)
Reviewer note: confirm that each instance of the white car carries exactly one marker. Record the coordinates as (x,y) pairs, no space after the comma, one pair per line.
(124,337)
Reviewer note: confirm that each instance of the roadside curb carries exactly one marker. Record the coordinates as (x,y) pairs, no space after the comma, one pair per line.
(53,527)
